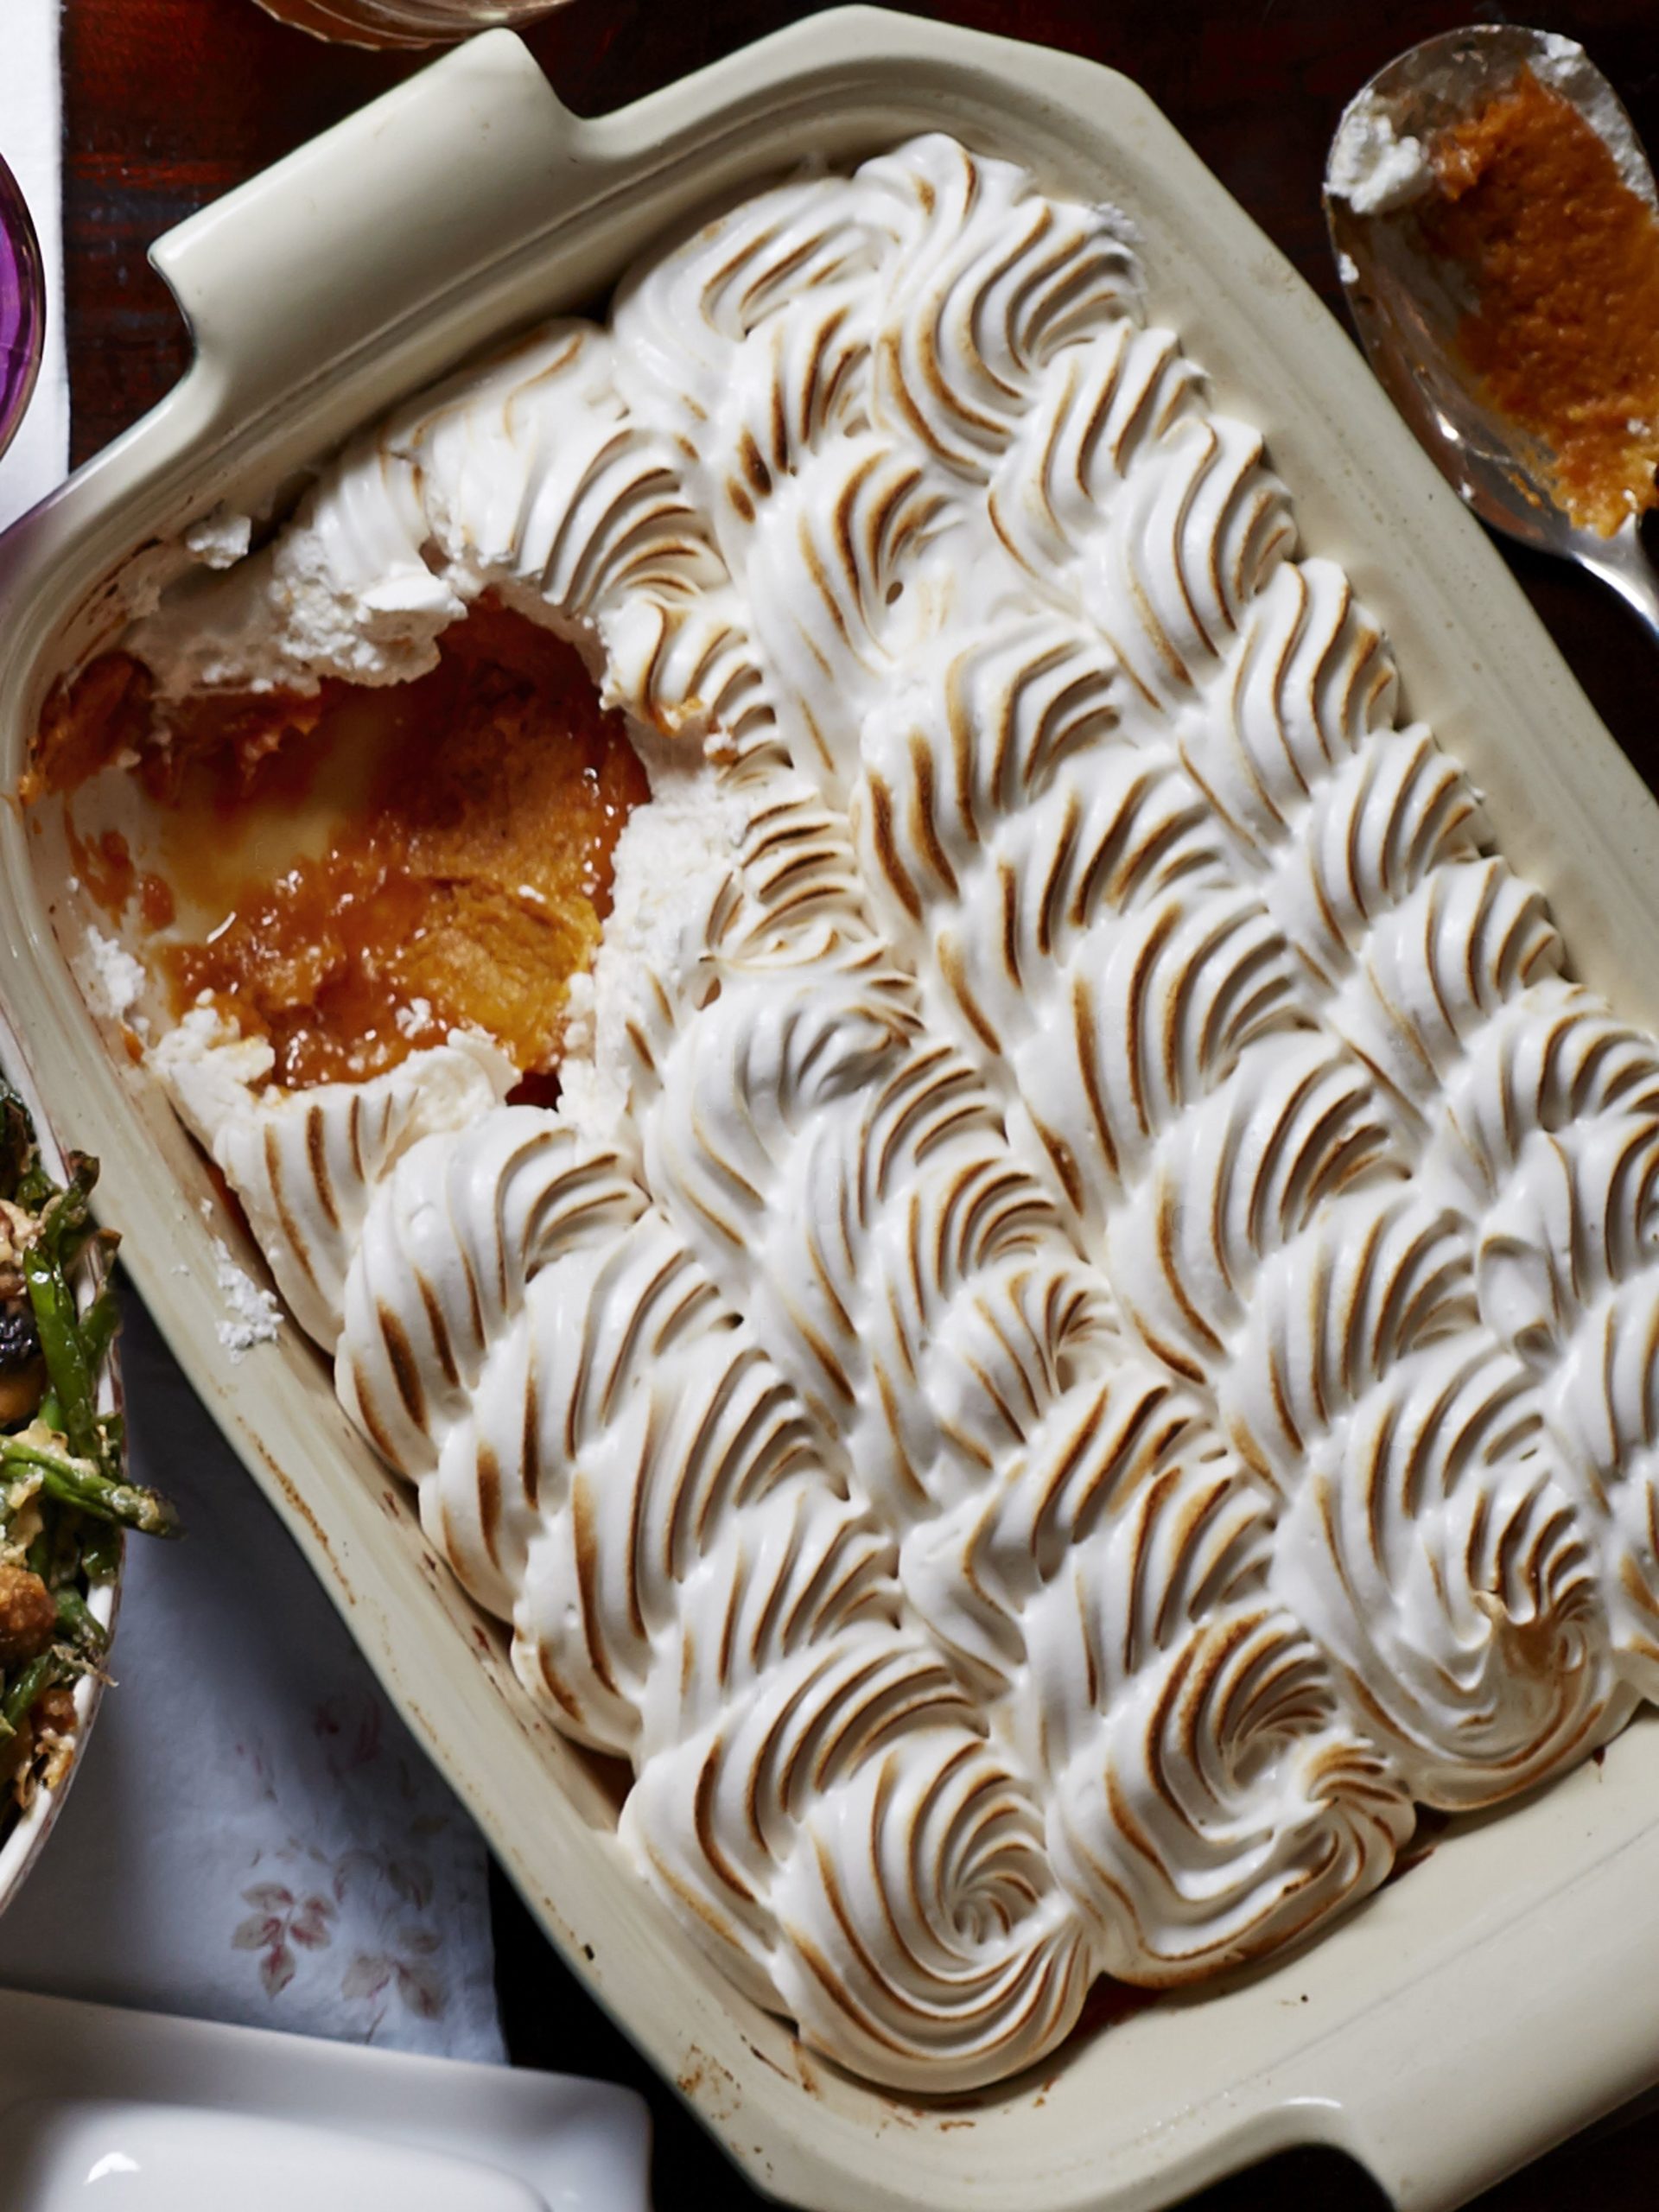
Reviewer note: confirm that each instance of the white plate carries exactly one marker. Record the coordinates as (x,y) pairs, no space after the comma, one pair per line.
(133,2112)
(1465,2017)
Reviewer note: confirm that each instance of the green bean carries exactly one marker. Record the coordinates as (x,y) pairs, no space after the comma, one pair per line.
(35,1188)
(76,1451)
(39,1675)
(65,1213)
(106,1499)
(73,1479)
(76,1620)
(98,1326)
(57,1324)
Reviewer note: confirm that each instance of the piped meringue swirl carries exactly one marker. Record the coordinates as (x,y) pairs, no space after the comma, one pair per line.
(1082,1336)
(610,1460)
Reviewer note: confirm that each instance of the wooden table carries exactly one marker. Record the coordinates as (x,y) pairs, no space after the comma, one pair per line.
(170,102)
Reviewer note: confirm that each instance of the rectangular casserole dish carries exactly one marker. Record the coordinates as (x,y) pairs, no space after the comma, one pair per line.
(1465,2017)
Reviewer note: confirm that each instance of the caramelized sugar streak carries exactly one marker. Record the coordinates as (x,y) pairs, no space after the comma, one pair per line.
(111,878)
(465,885)
(1564,260)
(87,725)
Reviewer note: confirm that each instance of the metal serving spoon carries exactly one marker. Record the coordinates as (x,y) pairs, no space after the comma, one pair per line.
(1407,307)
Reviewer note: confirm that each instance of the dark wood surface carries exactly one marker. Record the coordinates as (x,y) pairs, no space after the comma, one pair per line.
(170,102)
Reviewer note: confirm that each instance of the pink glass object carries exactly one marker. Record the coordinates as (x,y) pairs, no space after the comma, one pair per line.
(402,23)
(22,306)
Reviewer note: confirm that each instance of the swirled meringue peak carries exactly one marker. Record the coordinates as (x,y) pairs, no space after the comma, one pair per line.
(1081,1338)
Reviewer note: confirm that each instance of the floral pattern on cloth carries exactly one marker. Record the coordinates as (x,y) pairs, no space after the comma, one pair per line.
(295,1910)
(254,1836)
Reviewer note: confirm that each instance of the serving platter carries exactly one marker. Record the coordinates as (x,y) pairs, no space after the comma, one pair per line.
(1467,2015)
(178,2108)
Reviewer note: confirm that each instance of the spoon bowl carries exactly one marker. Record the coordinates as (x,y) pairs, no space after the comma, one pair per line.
(22,306)
(1406,305)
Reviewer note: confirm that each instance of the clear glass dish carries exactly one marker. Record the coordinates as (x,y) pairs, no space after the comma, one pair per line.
(402,23)
(22,306)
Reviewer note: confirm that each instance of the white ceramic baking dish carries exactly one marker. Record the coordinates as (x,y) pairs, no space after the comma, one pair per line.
(1467,2016)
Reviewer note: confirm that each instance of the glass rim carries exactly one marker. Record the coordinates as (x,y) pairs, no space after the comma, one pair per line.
(24,341)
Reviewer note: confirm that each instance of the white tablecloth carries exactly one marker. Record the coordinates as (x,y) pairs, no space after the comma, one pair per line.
(253,1835)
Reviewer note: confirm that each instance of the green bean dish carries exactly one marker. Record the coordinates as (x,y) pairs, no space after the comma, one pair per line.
(64,1495)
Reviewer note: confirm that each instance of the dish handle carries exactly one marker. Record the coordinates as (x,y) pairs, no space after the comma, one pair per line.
(322,254)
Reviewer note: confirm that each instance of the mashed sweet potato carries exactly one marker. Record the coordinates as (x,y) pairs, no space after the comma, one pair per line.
(1564,260)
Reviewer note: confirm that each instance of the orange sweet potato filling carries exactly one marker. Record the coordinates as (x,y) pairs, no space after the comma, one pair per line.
(466,887)
(1564,258)
(86,725)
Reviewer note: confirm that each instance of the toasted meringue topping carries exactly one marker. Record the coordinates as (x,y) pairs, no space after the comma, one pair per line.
(1082,1334)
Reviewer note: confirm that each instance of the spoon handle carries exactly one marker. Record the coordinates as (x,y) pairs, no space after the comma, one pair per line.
(1627,570)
